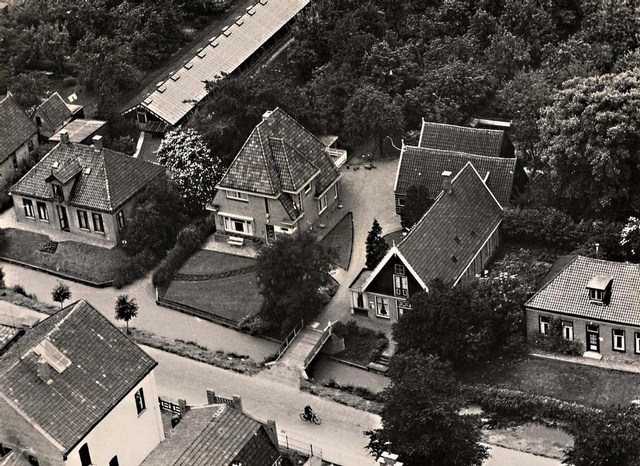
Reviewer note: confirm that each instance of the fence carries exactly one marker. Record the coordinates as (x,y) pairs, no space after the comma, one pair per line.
(318,346)
(169,406)
(287,341)
(290,444)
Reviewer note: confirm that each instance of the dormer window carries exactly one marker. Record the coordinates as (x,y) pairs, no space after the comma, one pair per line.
(58,194)
(599,288)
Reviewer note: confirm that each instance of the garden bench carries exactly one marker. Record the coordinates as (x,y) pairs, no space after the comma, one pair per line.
(235,241)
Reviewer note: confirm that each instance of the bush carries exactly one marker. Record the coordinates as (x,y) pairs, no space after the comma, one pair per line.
(253,325)
(69,81)
(20,290)
(134,268)
(124,144)
(555,342)
(189,238)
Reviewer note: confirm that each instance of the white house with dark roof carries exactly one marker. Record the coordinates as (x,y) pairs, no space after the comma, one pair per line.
(75,391)
(453,242)
(283,181)
(80,191)
(18,138)
(597,301)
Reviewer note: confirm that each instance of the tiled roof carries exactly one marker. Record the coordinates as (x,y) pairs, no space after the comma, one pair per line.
(565,292)
(424,166)
(53,114)
(172,99)
(360,280)
(213,436)
(66,172)
(7,334)
(293,168)
(105,366)
(80,130)
(108,179)
(456,226)
(15,127)
(486,142)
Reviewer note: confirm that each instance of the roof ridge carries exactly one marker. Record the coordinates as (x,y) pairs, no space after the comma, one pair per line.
(266,162)
(286,159)
(510,160)
(468,128)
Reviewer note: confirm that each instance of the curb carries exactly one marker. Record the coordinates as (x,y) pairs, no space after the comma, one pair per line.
(54,273)
(357,366)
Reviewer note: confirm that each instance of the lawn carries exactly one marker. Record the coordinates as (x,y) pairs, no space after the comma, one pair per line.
(230,297)
(566,381)
(341,238)
(75,259)
(362,345)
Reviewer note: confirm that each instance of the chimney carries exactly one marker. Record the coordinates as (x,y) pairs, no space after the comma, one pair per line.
(97,143)
(266,114)
(389,459)
(446,181)
(64,136)
(238,402)
(44,371)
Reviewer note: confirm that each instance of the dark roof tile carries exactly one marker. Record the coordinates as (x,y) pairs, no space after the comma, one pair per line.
(486,142)
(53,113)
(15,127)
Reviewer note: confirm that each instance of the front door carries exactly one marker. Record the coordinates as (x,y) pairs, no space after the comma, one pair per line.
(62,216)
(593,338)
(271,234)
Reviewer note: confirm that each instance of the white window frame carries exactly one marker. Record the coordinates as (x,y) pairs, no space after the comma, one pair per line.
(543,324)
(381,300)
(141,404)
(596,295)
(399,269)
(618,339)
(27,205)
(43,212)
(637,342)
(83,215)
(567,330)
(401,286)
(237,196)
(97,216)
(335,191)
(321,201)
(230,225)
(307,188)
(120,219)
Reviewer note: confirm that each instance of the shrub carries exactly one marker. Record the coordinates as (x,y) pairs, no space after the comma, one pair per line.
(20,290)
(134,268)
(555,342)
(124,144)
(253,325)
(69,81)
(189,238)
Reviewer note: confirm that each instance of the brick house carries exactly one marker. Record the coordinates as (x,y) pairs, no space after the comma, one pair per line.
(453,241)
(283,181)
(597,302)
(448,148)
(82,191)
(74,390)
(18,138)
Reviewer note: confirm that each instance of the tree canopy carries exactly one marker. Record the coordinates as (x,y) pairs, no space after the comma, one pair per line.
(376,247)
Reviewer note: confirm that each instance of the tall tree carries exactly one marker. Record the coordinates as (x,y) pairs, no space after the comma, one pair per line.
(194,170)
(376,246)
(420,417)
(126,309)
(591,142)
(416,204)
(291,275)
(61,293)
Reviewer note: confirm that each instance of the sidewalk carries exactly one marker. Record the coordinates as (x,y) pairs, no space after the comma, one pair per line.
(611,364)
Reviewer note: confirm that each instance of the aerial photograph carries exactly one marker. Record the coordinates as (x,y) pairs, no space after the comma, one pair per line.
(319,232)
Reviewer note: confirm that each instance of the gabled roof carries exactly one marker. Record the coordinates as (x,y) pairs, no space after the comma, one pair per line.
(214,435)
(53,114)
(424,166)
(450,234)
(294,170)
(172,99)
(16,128)
(485,142)
(108,179)
(105,367)
(566,291)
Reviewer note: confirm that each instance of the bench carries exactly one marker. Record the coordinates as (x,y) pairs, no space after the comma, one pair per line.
(235,241)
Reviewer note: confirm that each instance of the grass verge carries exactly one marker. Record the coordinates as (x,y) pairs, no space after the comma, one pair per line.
(341,239)
(24,299)
(362,345)
(348,395)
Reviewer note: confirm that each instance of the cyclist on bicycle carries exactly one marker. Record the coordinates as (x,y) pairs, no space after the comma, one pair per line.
(308,412)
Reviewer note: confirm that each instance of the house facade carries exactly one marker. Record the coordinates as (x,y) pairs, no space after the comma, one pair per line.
(66,405)
(454,241)
(82,192)
(18,138)
(596,302)
(282,182)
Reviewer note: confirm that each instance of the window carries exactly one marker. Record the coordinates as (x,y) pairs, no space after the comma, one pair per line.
(140,405)
(401,285)
(120,218)
(595,295)
(372,303)
(335,191)
(234,225)
(322,203)
(43,214)
(543,324)
(299,202)
(307,188)
(618,340)
(83,220)
(266,206)
(637,342)
(98,226)
(85,457)
(382,307)
(398,269)
(400,201)
(28,208)
(237,196)
(57,192)
(567,330)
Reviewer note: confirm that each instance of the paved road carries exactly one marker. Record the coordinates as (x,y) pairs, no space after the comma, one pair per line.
(151,317)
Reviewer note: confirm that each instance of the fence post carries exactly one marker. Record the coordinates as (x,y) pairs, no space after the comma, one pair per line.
(287,439)
(311,448)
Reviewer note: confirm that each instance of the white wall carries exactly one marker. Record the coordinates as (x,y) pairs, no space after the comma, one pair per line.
(123,433)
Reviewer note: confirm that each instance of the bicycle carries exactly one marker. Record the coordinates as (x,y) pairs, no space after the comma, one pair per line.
(313,418)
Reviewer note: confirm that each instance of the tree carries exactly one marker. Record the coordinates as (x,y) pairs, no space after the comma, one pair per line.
(195,171)
(291,275)
(416,204)
(61,293)
(126,309)
(630,237)
(376,246)
(420,417)
(609,438)
(591,143)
